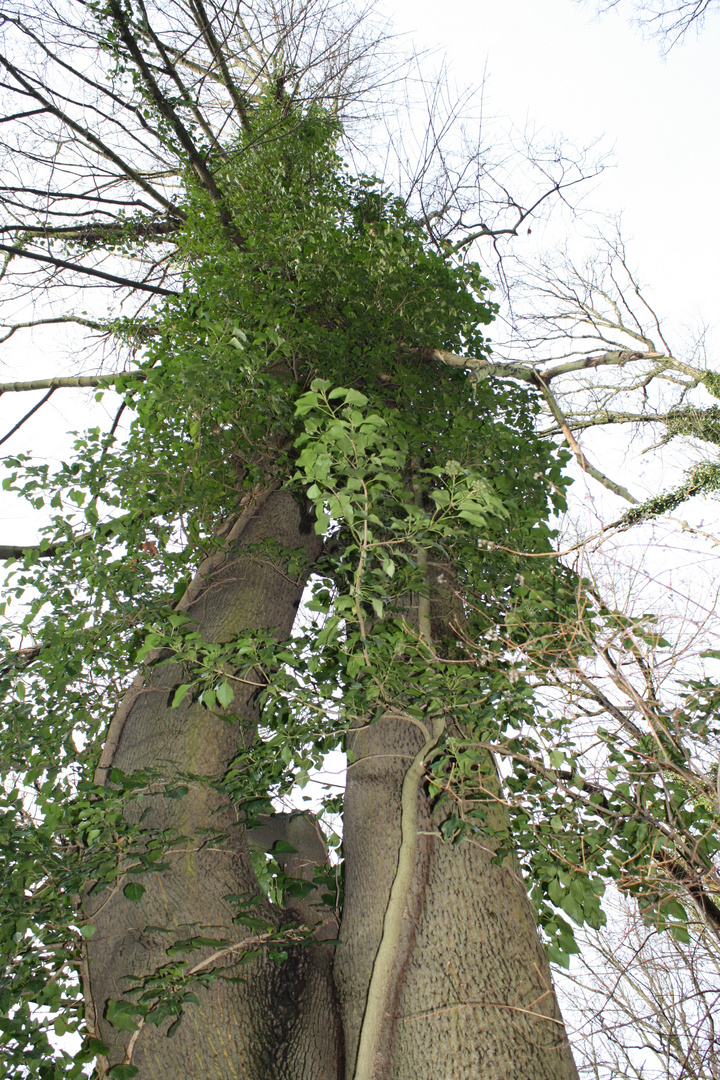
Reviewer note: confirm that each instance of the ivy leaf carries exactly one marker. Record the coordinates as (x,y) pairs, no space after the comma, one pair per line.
(225,694)
(134,891)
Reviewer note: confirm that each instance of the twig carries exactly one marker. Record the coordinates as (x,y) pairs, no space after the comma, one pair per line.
(28,414)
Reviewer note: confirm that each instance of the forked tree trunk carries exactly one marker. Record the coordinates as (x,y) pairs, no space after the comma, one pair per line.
(471,996)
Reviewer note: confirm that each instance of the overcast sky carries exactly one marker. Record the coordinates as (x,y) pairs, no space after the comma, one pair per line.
(552,65)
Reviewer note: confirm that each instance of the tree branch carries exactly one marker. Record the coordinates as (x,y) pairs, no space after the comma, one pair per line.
(28,414)
(70,381)
(213,45)
(90,323)
(14,551)
(577,450)
(161,102)
(614,357)
(97,230)
(86,135)
(62,264)
(528,374)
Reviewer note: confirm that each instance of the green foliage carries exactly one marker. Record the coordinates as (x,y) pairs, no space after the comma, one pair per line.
(377,477)
(57,835)
(699,423)
(705,478)
(711,380)
(297,354)
(702,423)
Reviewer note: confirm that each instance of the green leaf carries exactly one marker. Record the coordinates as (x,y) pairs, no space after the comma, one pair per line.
(473,518)
(555,891)
(134,891)
(117,1013)
(353,397)
(180,694)
(208,699)
(557,956)
(283,845)
(60,1025)
(225,694)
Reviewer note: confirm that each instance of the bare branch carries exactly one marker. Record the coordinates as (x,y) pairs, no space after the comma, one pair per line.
(88,271)
(28,414)
(667,20)
(71,381)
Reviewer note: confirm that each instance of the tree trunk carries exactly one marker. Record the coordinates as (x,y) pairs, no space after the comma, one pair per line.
(266,1026)
(471,995)
(467,991)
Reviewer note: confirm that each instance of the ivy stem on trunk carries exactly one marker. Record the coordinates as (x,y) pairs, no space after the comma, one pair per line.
(381,980)
(383,967)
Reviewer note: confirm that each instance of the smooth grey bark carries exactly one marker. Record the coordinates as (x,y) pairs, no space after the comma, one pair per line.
(266,1026)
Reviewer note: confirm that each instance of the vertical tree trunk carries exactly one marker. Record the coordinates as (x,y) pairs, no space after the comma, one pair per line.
(266,1026)
(469,993)
(472,997)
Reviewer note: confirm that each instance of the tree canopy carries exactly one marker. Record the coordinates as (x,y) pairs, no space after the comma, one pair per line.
(313,405)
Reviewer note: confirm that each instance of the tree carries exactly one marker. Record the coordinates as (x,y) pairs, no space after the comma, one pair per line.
(640,990)
(301,414)
(668,20)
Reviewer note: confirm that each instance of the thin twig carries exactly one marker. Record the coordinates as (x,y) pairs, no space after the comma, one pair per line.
(28,414)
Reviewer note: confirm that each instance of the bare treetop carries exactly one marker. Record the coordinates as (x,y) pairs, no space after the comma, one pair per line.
(667,20)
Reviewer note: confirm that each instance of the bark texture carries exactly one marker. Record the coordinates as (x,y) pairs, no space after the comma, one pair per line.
(266,1026)
(472,995)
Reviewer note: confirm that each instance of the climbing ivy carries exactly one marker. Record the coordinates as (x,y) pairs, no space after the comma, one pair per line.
(299,353)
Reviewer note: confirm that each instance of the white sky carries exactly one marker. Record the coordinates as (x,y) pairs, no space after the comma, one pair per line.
(553,66)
